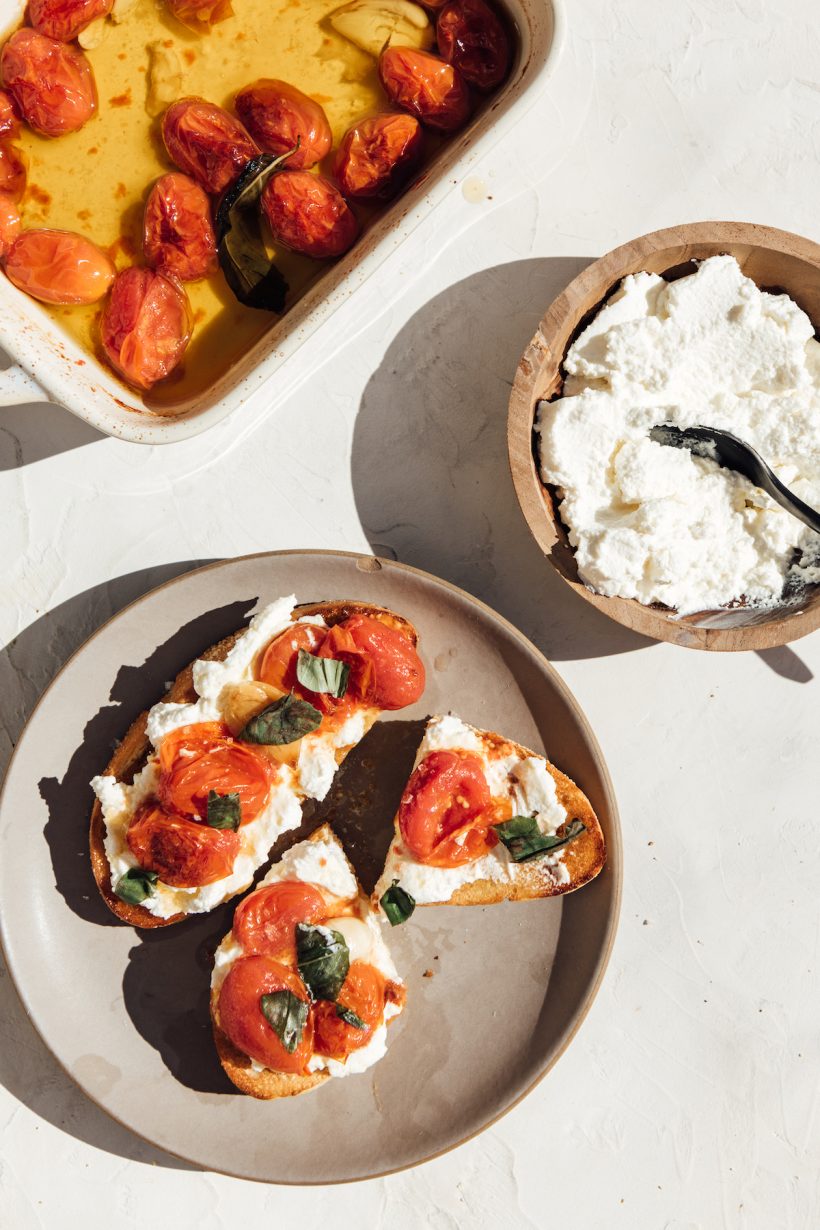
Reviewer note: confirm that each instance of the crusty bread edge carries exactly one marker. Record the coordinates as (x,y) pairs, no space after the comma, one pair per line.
(134,746)
(266,1084)
(584,857)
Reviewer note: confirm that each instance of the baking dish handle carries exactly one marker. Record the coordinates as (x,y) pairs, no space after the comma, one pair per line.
(18,387)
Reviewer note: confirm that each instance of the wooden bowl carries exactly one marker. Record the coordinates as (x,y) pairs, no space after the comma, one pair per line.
(775,260)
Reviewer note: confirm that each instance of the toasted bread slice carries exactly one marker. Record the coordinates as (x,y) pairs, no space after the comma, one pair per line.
(250,1077)
(494,877)
(134,750)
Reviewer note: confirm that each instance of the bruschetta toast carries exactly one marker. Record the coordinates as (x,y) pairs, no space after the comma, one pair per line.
(303,985)
(483,819)
(206,781)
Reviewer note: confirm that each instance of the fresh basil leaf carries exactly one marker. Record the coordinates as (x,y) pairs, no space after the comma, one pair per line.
(243,256)
(224,811)
(323,958)
(349,1017)
(287,1016)
(284,721)
(322,674)
(525,841)
(397,904)
(136,885)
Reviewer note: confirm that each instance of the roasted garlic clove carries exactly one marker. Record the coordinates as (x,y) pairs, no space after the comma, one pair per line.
(369,24)
(164,78)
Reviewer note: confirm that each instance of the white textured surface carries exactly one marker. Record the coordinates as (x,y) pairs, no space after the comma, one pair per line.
(691,1097)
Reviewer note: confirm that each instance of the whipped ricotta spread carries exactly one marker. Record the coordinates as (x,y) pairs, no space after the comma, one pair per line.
(525,780)
(322,862)
(657,523)
(310,778)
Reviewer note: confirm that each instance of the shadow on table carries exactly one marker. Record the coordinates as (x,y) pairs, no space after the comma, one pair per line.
(429,461)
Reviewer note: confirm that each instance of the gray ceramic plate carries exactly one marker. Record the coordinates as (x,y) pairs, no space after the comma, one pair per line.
(126,1013)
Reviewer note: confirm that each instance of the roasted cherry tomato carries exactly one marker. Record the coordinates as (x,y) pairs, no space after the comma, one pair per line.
(241,1017)
(309,214)
(9,123)
(12,170)
(446,810)
(9,223)
(184,853)
(471,37)
(59,267)
(390,674)
(278,664)
(425,85)
(277,115)
(199,13)
(196,759)
(377,156)
(145,326)
(65,19)
(51,83)
(178,235)
(362,993)
(206,142)
(266,920)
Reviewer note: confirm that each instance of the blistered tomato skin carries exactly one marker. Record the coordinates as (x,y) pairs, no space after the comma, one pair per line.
(65,19)
(178,235)
(278,663)
(9,223)
(196,759)
(376,157)
(12,170)
(52,83)
(447,798)
(145,326)
(265,922)
(308,214)
(277,116)
(241,1018)
(471,37)
(59,267)
(391,673)
(206,143)
(426,86)
(363,993)
(199,13)
(9,121)
(184,853)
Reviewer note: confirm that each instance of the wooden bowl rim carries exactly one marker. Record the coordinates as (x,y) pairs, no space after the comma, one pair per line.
(604,274)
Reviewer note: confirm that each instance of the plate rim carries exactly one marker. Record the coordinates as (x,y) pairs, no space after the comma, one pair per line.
(614,843)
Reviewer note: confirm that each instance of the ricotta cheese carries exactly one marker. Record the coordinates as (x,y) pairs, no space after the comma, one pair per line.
(524,780)
(659,524)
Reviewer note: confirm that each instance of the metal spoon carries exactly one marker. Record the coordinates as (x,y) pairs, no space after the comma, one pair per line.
(733,454)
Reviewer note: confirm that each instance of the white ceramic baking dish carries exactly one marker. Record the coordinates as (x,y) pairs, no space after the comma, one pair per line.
(48,365)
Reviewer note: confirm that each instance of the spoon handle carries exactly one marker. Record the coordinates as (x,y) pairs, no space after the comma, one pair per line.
(788,500)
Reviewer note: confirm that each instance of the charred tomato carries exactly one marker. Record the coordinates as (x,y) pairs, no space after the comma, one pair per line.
(145,326)
(278,117)
(377,156)
(52,84)
(178,235)
(472,38)
(308,214)
(427,86)
(206,142)
(59,267)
